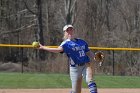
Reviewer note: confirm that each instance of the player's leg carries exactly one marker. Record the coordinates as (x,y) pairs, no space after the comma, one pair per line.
(89,78)
(76,80)
(79,84)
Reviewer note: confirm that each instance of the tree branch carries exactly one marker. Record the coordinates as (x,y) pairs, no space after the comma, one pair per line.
(25,3)
(17,30)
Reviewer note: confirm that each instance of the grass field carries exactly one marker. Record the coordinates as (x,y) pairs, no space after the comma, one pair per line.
(27,80)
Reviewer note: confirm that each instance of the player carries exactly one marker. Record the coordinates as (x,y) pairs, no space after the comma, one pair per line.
(79,59)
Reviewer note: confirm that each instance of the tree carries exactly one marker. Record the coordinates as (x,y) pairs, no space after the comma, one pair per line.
(70,11)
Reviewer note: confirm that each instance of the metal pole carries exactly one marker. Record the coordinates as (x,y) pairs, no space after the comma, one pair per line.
(113,64)
(22,60)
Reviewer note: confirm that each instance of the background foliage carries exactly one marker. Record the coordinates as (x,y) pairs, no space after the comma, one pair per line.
(102,23)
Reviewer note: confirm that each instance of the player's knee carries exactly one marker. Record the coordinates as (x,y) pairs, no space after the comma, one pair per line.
(88,80)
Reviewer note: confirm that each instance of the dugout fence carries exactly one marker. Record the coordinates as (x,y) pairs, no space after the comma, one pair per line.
(118,61)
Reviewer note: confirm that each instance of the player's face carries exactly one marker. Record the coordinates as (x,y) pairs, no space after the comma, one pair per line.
(70,30)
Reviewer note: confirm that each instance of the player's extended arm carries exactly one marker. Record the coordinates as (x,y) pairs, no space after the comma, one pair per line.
(54,50)
(90,54)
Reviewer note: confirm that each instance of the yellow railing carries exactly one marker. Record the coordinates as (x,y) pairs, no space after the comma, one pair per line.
(104,48)
(93,48)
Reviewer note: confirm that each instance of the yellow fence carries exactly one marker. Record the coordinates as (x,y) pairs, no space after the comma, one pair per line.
(93,48)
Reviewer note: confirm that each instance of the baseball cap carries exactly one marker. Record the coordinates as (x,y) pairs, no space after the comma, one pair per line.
(66,27)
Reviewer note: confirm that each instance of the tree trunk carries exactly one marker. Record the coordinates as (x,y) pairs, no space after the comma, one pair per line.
(40,28)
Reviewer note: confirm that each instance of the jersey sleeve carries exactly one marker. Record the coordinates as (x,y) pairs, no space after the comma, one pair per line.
(64,46)
(86,47)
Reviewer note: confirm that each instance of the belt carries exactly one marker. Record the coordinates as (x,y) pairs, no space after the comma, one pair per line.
(82,64)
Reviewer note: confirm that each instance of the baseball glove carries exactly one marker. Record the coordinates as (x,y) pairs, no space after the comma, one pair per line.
(99,56)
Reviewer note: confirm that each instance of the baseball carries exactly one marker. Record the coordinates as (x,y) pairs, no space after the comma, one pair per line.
(35,44)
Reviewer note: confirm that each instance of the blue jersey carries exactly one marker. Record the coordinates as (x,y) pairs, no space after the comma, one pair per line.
(76,50)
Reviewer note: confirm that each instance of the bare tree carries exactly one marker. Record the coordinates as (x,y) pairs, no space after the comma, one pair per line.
(70,11)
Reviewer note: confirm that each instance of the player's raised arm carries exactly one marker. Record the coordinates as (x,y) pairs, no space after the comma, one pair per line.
(54,50)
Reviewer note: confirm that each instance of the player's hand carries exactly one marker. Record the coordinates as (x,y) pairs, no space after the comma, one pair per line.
(40,46)
(37,45)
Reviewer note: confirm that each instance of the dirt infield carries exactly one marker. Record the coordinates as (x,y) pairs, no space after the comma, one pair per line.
(67,90)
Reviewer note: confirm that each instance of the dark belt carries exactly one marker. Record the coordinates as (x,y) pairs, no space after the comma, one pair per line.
(81,64)
(77,65)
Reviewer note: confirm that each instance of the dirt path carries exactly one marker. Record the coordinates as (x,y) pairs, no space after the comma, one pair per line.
(67,90)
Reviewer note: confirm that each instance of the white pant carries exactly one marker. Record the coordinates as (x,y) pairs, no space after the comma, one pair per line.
(75,73)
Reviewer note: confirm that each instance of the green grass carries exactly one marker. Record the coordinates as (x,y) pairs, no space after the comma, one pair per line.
(18,80)
(26,80)
(118,81)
